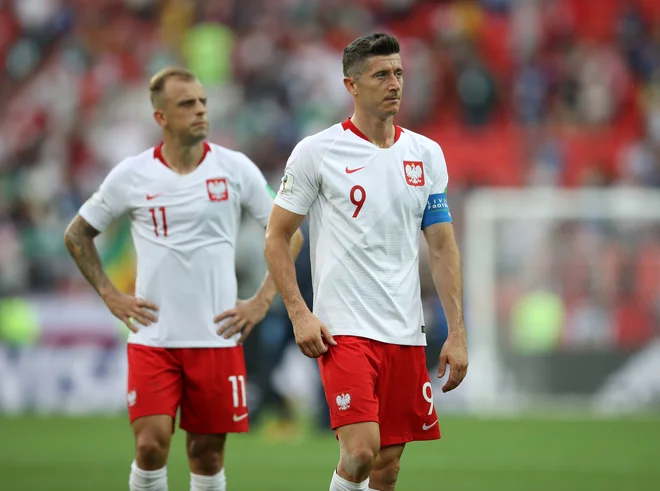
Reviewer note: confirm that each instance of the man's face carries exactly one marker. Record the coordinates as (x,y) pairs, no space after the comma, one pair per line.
(378,89)
(182,110)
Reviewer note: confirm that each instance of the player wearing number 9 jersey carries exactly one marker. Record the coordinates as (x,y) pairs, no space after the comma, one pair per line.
(184,199)
(368,188)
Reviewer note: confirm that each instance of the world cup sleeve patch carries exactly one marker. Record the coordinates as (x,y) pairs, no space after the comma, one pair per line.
(286,187)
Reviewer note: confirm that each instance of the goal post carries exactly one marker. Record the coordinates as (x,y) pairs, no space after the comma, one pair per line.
(545,324)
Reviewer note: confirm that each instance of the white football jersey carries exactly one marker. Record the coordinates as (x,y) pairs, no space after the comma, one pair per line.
(366,208)
(184,229)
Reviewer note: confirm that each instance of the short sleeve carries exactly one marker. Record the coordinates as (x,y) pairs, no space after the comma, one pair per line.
(256,194)
(109,202)
(300,184)
(437,208)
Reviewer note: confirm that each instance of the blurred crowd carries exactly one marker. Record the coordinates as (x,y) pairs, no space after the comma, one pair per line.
(518,93)
(579,285)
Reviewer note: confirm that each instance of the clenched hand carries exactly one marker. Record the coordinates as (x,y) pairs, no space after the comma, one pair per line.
(454,354)
(312,336)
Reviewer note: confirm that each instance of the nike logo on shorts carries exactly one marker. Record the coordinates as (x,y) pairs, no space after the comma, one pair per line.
(153,196)
(238,418)
(426,427)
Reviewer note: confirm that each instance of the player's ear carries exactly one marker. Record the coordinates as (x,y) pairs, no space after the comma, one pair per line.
(350,85)
(159,117)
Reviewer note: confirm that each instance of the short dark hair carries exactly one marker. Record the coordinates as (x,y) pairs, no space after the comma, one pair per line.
(158,81)
(356,53)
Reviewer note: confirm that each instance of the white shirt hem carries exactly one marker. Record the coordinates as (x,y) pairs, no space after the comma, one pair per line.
(183,344)
(419,341)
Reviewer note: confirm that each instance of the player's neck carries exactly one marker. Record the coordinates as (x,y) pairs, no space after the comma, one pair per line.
(182,159)
(380,132)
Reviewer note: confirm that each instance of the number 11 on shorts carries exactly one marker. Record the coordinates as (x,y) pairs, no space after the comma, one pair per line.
(240,399)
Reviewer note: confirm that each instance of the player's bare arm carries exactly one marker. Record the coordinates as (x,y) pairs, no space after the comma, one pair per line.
(79,241)
(445,262)
(312,336)
(248,313)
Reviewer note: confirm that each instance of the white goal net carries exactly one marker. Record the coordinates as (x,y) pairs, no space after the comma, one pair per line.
(563,299)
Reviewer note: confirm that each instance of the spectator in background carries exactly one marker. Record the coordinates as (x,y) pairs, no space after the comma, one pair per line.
(519,93)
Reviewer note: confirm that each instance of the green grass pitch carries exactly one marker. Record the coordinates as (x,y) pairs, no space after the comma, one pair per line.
(527,454)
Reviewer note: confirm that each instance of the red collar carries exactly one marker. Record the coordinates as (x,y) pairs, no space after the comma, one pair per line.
(349,125)
(158,154)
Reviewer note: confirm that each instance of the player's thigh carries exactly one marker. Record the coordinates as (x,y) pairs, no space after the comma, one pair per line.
(154,382)
(349,372)
(407,412)
(214,391)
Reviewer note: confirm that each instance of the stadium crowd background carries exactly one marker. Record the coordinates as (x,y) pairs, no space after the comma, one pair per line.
(559,93)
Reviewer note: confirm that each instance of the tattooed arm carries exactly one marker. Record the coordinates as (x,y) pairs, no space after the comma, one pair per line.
(79,241)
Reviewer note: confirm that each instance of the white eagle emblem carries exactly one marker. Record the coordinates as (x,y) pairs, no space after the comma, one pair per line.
(343,401)
(217,189)
(131,398)
(414,173)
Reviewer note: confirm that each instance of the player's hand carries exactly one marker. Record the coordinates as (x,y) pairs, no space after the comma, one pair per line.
(242,318)
(128,308)
(312,336)
(454,354)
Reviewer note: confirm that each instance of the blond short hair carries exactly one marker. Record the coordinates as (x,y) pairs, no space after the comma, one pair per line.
(157,82)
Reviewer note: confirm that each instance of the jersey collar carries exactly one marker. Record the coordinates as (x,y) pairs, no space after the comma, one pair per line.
(349,125)
(158,154)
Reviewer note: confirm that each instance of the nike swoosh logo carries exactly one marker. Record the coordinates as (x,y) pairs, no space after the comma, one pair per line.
(350,171)
(152,196)
(426,427)
(238,418)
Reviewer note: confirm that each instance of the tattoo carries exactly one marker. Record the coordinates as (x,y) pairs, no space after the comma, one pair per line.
(79,241)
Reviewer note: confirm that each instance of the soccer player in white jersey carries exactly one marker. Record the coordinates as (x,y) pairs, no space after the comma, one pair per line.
(184,199)
(369,187)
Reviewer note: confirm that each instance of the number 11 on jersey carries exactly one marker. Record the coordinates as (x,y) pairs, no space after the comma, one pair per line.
(155,220)
(358,197)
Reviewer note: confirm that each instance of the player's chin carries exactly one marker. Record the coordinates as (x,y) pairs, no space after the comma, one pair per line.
(391,107)
(199,131)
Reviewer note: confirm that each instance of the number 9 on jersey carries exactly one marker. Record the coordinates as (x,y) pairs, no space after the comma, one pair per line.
(358,197)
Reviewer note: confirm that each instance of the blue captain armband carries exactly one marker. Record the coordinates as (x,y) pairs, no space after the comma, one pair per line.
(436,211)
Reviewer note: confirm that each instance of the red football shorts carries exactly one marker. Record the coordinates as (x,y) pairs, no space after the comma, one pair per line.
(208,384)
(366,380)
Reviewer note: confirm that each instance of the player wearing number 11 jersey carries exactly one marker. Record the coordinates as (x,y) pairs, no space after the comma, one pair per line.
(369,187)
(184,199)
